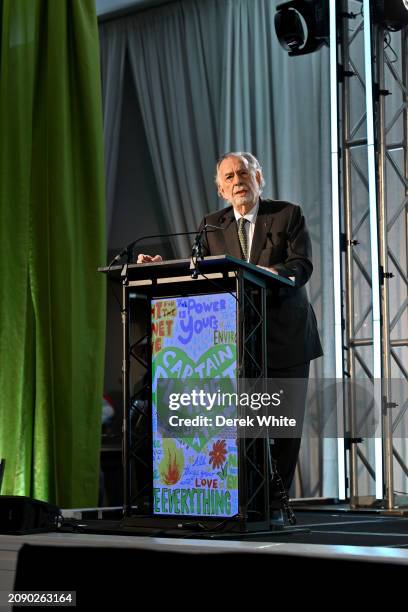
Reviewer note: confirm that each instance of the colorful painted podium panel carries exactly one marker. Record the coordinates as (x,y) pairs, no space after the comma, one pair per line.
(197,335)
(194,337)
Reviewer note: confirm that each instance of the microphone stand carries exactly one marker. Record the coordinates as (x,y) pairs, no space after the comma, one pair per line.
(197,251)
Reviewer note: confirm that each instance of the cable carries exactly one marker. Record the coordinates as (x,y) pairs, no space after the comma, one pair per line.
(71,526)
(284,497)
(387,40)
(213,528)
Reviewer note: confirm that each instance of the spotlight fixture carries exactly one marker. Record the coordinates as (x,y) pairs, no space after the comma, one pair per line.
(393,14)
(302,26)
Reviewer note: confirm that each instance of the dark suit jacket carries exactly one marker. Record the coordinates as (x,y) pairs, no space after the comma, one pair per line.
(280,240)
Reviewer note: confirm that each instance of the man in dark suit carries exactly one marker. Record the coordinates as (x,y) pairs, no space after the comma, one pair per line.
(272,234)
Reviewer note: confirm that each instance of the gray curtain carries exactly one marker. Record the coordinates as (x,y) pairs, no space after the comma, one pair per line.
(178,83)
(211,77)
(113,49)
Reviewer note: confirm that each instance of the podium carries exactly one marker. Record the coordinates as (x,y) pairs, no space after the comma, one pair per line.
(208,320)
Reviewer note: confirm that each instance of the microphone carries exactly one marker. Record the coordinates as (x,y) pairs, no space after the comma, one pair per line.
(198,245)
(213,227)
(197,250)
(127,250)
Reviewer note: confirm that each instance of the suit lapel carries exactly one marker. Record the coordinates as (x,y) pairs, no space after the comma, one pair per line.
(263,225)
(230,234)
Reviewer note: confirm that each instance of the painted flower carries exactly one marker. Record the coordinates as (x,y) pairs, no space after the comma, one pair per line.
(218,454)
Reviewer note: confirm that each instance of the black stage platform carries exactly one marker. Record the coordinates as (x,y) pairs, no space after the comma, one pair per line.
(330,555)
(331,526)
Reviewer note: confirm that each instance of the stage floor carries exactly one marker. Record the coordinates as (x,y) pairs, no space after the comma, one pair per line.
(326,525)
(319,535)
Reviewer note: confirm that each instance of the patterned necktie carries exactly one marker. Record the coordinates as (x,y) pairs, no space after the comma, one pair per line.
(242,235)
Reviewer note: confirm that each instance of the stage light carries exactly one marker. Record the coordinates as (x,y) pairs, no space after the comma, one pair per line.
(393,14)
(302,26)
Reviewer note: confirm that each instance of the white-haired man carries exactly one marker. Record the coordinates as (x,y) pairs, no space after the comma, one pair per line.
(273,234)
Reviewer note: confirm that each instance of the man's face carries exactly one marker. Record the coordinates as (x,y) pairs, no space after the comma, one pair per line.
(238,184)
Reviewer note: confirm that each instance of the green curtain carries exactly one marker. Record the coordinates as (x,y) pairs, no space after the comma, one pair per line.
(52,239)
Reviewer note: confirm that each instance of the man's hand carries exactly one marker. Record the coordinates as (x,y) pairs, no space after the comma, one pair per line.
(274,271)
(271,269)
(148,258)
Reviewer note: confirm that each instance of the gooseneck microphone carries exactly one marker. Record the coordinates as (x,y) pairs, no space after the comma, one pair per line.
(197,245)
(128,250)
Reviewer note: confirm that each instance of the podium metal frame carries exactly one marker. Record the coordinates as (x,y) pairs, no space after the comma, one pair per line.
(182,278)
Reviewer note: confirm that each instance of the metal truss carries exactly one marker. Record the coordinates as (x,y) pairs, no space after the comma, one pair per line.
(137,455)
(140,434)
(392,124)
(373,99)
(255,474)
